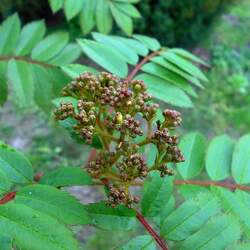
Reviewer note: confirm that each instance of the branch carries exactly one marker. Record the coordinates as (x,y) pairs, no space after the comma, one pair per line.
(140,64)
(157,238)
(25,59)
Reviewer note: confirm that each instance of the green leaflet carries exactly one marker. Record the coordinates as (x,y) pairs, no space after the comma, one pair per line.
(56,5)
(122,20)
(5,184)
(34,230)
(66,176)
(87,16)
(51,201)
(174,68)
(241,160)
(190,191)
(189,217)
(43,87)
(105,56)
(20,76)
(169,76)
(103,16)
(72,8)
(219,156)
(142,242)
(135,45)
(218,233)
(156,193)
(9,34)
(68,54)
(74,70)
(15,165)
(149,42)
(31,34)
(5,242)
(3,83)
(50,46)
(108,218)
(128,9)
(184,64)
(125,51)
(236,205)
(193,146)
(165,91)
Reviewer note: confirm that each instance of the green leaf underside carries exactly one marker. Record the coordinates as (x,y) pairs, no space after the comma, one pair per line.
(165,91)
(74,70)
(34,230)
(193,146)
(234,204)
(9,33)
(103,16)
(51,201)
(219,156)
(66,176)
(157,191)
(149,42)
(72,8)
(20,77)
(105,56)
(241,160)
(189,217)
(50,46)
(142,242)
(108,218)
(15,165)
(31,34)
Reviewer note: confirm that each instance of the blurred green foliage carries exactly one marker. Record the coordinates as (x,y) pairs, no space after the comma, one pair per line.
(183,22)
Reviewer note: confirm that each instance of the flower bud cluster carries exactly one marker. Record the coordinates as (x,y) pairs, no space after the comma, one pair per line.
(117,112)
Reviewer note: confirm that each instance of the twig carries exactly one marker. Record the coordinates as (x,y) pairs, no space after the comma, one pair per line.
(157,238)
(25,59)
(140,64)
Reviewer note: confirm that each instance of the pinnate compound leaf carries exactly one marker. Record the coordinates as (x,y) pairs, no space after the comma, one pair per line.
(149,42)
(219,156)
(32,229)
(103,16)
(15,165)
(193,146)
(50,46)
(20,77)
(74,70)
(122,20)
(108,218)
(189,217)
(31,34)
(66,176)
(105,56)
(156,193)
(51,201)
(9,34)
(72,8)
(145,242)
(56,5)
(218,233)
(165,91)
(241,160)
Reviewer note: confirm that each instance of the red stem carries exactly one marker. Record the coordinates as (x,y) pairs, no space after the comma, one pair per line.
(157,238)
(8,197)
(25,59)
(140,64)
(212,183)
